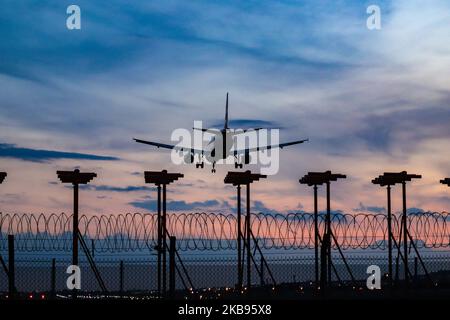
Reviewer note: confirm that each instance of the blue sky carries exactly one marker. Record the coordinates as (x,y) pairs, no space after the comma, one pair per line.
(370,101)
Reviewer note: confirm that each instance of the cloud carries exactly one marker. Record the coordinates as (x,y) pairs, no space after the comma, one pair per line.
(176,205)
(405,127)
(374,209)
(259,206)
(366,99)
(248,123)
(117,189)
(415,211)
(37,155)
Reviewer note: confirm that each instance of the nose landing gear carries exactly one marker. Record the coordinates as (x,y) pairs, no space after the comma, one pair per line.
(199,165)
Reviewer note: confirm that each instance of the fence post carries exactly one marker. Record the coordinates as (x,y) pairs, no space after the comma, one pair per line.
(11,267)
(53,279)
(172,253)
(121,277)
(405,232)
(164,241)
(159,245)
(239,243)
(416,267)
(316,239)
(390,236)
(261,279)
(249,251)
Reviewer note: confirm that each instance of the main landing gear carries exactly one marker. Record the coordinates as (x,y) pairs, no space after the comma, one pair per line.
(200,164)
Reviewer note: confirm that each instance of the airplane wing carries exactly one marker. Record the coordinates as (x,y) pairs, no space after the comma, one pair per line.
(246,131)
(281,146)
(169,146)
(208,130)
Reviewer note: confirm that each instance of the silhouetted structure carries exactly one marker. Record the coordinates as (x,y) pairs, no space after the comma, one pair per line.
(360,231)
(389,179)
(11,267)
(2,262)
(161,178)
(315,179)
(310,181)
(2,176)
(76,178)
(238,179)
(383,182)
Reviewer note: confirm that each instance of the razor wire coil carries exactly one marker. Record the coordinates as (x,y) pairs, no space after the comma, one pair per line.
(217,231)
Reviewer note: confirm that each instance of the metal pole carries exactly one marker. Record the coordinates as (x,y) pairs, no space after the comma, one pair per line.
(323,264)
(121,277)
(248,238)
(416,268)
(159,245)
(75,226)
(389,225)
(239,235)
(172,252)
(11,267)
(316,237)
(262,271)
(53,279)
(405,232)
(75,232)
(328,243)
(164,242)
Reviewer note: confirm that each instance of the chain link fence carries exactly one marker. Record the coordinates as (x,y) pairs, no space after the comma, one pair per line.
(138,274)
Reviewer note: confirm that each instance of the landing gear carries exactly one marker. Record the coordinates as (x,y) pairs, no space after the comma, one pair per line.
(200,165)
(213,170)
(236,163)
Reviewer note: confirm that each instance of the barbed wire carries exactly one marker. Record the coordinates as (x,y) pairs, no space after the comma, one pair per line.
(217,231)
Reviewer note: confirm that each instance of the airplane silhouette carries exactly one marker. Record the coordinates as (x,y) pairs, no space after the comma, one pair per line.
(220,146)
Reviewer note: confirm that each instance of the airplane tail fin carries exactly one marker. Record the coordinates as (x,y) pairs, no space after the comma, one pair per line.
(226,114)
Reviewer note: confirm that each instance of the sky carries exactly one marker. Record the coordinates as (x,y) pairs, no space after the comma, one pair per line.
(369,100)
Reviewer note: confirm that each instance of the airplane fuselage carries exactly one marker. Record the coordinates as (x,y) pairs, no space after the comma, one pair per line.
(221,145)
